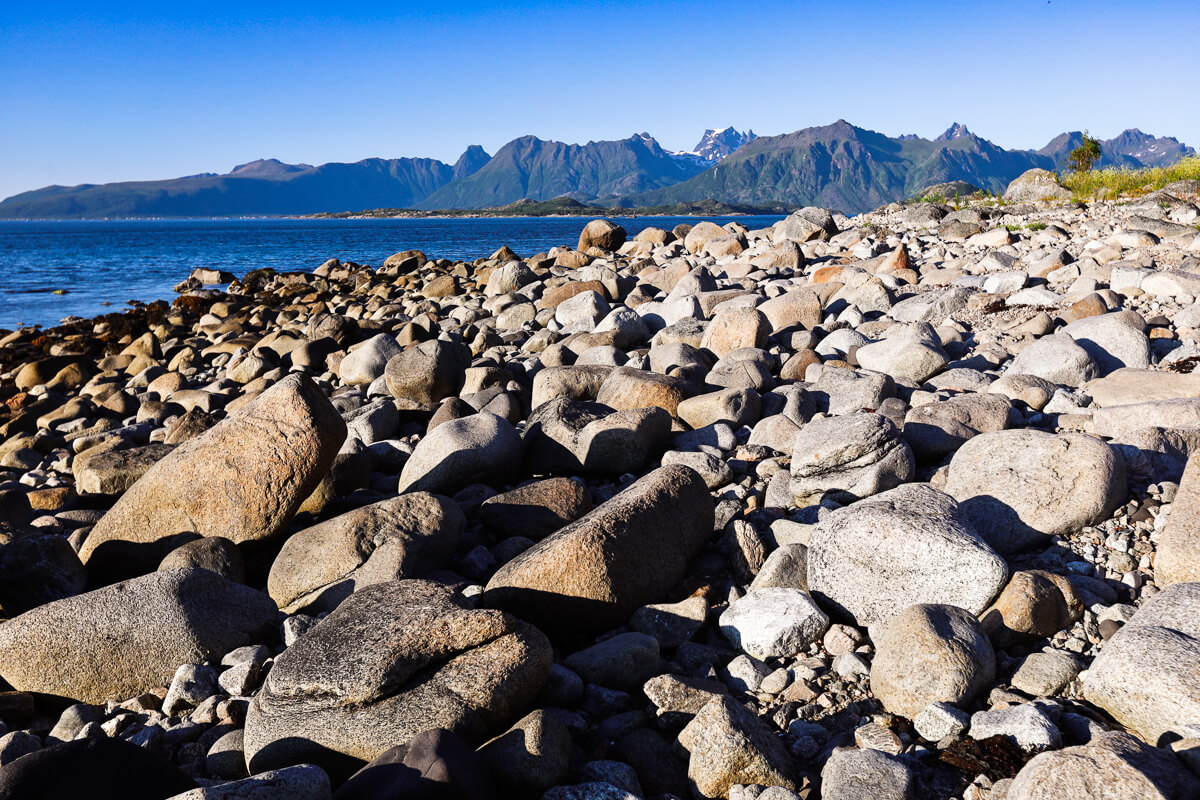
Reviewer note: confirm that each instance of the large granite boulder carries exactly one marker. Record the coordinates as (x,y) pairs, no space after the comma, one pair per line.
(595,572)
(729,745)
(98,768)
(858,454)
(242,480)
(1112,765)
(1148,674)
(1177,558)
(479,447)
(403,537)
(565,437)
(393,660)
(1065,481)
(931,654)
(872,559)
(120,641)
(421,376)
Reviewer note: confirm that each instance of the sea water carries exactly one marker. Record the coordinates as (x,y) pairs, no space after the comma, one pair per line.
(53,270)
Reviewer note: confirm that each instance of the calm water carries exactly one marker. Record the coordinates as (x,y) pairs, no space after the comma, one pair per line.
(103,264)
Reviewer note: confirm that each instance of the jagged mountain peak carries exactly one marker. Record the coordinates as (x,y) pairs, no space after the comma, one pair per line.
(715,145)
(956,131)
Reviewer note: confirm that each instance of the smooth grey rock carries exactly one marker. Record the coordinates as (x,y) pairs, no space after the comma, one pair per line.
(1025,725)
(1065,482)
(867,775)
(366,362)
(773,622)
(930,654)
(125,639)
(1114,764)
(479,448)
(1148,674)
(1045,674)
(859,454)
(1056,358)
(393,660)
(301,782)
(566,437)
(871,560)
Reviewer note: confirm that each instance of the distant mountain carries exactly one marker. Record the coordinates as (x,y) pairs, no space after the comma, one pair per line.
(956,131)
(262,187)
(530,168)
(1130,148)
(845,167)
(838,166)
(712,147)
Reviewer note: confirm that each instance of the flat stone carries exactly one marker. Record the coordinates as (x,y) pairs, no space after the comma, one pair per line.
(773,622)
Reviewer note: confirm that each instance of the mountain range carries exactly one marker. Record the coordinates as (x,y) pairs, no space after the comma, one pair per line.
(837,166)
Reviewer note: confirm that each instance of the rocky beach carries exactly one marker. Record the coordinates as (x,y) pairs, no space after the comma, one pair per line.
(894,506)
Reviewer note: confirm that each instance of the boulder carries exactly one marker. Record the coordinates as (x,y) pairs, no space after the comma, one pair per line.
(1034,605)
(773,622)
(935,430)
(421,376)
(867,775)
(1026,725)
(213,553)
(601,233)
(930,654)
(1112,342)
(624,662)
(626,388)
(533,754)
(1148,674)
(730,745)
(871,560)
(367,361)
(536,509)
(36,570)
(1057,358)
(242,480)
(1112,765)
(858,454)
(120,641)
(393,660)
(404,537)
(627,552)
(910,353)
(1065,482)
(435,764)
(114,471)
(479,448)
(735,406)
(564,437)
(1177,557)
(1035,184)
(98,768)
(302,782)
(733,329)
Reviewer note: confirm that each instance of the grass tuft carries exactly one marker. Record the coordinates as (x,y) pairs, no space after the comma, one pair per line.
(1115,182)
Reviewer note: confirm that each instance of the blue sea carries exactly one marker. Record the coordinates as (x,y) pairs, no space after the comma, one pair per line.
(101,265)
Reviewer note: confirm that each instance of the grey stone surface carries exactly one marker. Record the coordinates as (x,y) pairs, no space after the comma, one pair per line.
(117,642)
(878,556)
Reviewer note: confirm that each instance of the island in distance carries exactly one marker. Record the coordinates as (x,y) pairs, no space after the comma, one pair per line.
(837,166)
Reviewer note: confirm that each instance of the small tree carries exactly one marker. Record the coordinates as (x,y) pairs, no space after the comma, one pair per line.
(1084,157)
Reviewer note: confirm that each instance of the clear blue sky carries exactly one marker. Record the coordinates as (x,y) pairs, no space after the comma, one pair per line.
(150,90)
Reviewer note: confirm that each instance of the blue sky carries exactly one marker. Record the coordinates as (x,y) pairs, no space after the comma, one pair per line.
(143,91)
